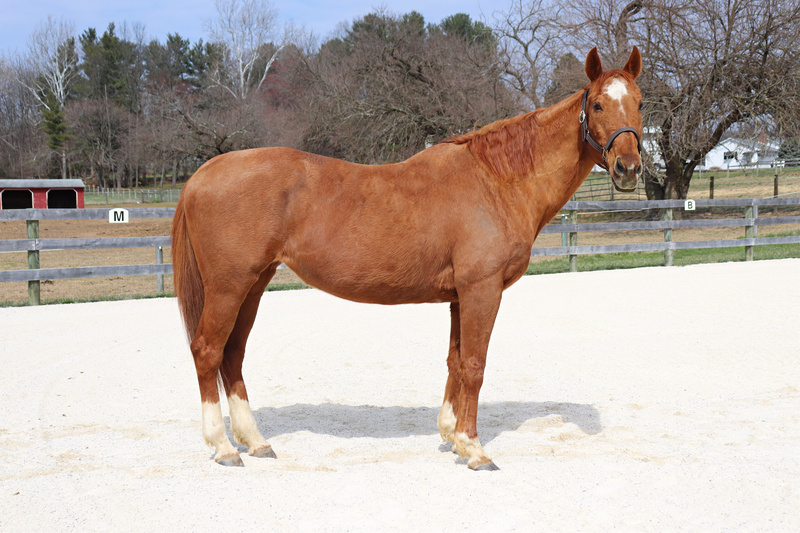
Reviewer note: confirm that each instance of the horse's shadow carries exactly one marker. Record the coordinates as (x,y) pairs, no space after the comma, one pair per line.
(351,421)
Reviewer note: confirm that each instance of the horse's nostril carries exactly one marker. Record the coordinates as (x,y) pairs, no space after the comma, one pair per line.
(638,169)
(620,167)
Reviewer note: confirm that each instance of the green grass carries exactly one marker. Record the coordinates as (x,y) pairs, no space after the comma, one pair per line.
(551,266)
(54,301)
(681,257)
(287,286)
(112,298)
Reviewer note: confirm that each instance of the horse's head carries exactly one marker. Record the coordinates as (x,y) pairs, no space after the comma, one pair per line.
(611,119)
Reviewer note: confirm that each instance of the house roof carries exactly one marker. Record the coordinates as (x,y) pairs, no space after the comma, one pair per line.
(748,144)
(41,184)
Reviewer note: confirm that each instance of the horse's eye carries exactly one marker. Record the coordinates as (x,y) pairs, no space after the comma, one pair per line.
(598,107)
(641,106)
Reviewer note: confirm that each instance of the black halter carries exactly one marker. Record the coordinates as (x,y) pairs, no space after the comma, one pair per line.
(587,137)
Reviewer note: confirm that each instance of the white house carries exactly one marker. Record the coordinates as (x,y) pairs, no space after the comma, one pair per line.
(741,153)
(729,153)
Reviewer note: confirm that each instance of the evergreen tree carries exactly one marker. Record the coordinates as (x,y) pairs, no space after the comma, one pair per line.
(112,68)
(790,150)
(462,25)
(55,126)
(53,123)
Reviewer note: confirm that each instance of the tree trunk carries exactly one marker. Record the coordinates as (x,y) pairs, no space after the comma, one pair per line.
(174,173)
(653,187)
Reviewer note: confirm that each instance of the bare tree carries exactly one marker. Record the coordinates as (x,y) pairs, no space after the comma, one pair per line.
(252,38)
(48,72)
(708,67)
(101,128)
(52,59)
(390,85)
(20,138)
(529,34)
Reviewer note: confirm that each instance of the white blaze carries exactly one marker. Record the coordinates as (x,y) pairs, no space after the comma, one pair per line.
(616,89)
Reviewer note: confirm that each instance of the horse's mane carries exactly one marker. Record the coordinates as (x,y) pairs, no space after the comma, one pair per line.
(508,147)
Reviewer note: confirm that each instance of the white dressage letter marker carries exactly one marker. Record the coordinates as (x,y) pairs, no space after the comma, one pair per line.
(689,205)
(118,216)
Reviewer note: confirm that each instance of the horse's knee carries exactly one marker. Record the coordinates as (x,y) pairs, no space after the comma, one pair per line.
(472,372)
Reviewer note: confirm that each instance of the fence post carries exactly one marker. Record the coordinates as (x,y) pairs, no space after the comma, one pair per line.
(573,241)
(34,286)
(775,189)
(160,261)
(750,231)
(564,240)
(669,253)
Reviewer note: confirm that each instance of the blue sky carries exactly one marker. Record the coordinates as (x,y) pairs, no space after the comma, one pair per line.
(186,17)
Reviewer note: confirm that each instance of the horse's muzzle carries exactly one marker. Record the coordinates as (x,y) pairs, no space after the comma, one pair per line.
(625,172)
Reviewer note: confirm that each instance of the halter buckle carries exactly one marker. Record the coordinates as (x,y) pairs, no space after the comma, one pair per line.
(581,117)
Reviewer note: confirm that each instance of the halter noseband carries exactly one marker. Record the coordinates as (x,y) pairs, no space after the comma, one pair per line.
(587,137)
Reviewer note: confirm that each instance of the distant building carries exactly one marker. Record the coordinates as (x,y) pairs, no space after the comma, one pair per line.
(742,153)
(730,153)
(41,194)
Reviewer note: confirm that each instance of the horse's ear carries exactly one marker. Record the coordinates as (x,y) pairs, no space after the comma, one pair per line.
(593,66)
(634,64)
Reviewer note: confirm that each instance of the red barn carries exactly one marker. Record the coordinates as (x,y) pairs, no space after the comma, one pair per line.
(41,194)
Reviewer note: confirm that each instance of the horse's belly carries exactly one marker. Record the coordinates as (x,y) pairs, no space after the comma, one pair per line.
(382,284)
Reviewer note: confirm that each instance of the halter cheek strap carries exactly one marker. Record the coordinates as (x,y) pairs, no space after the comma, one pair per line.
(587,137)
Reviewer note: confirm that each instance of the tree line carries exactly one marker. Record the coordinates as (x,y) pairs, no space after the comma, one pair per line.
(114,107)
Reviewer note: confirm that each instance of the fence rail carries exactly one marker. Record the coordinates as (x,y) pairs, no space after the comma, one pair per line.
(82,214)
(569,228)
(33,245)
(144,196)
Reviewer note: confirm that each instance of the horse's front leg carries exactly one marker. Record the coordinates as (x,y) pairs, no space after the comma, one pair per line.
(479,303)
(447,415)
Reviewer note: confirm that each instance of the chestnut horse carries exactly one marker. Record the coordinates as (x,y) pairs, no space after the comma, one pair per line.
(454,223)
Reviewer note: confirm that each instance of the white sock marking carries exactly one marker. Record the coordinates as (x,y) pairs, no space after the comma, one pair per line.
(214,429)
(447,421)
(243,425)
(470,448)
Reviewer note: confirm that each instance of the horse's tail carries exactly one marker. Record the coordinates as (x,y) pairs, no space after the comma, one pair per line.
(188,283)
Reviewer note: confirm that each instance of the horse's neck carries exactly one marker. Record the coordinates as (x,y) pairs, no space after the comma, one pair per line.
(562,160)
(560,125)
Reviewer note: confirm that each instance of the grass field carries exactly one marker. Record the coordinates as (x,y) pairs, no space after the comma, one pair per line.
(737,185)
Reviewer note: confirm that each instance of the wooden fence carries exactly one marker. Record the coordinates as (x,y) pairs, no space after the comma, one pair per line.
(568,228)
(113,195)
(33,245)
(598,187)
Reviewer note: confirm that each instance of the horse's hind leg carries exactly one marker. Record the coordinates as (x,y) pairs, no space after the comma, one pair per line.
(216,323)
(447,415)
(243,425)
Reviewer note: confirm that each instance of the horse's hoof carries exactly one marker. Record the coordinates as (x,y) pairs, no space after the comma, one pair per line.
(265,452)
(230,460)
(490,466)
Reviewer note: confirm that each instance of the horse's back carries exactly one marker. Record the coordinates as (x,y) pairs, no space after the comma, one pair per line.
(377,233)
